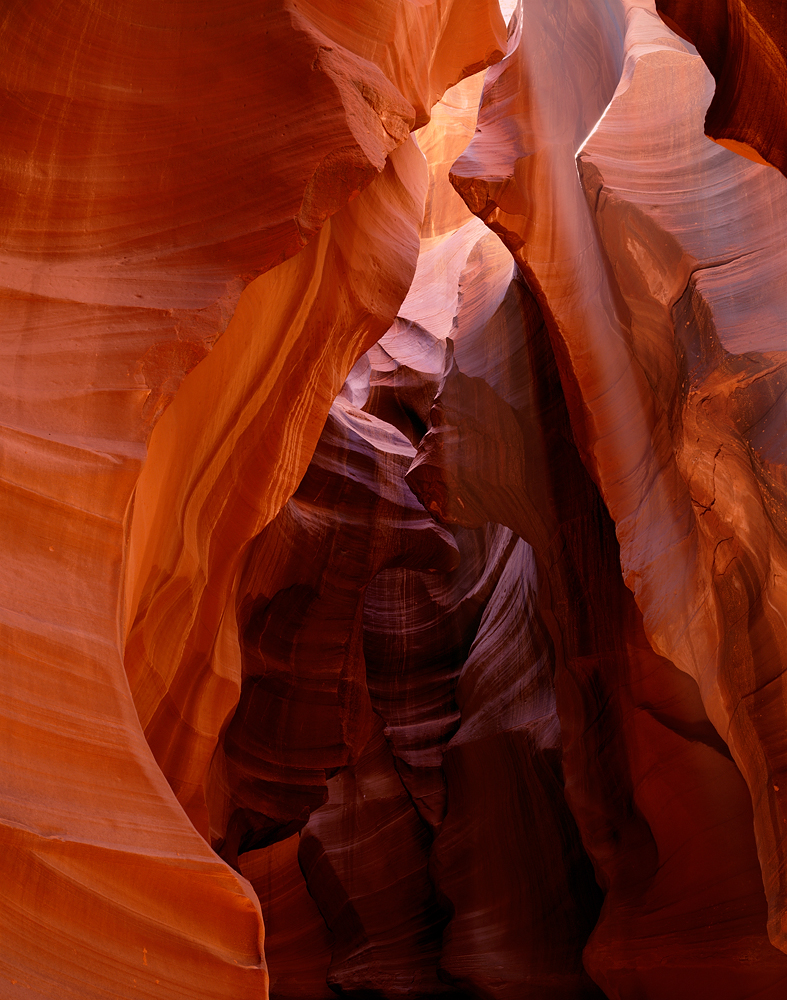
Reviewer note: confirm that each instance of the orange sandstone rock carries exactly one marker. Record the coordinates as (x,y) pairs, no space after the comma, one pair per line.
(632,351)
(524,734)
(157,159)
(186,684)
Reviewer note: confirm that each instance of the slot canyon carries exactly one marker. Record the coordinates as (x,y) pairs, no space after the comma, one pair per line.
(393,500)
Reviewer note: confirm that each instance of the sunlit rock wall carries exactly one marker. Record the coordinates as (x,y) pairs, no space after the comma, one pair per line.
(393,500)
(208,213)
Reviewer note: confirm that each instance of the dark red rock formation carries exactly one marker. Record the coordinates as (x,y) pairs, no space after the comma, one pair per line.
(364,857)
(507,858)
(304,707)
(744,44)
(298,945)
(418,629)
(632,725)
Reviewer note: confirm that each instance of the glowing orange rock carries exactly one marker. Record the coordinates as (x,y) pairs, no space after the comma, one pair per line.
(158,158)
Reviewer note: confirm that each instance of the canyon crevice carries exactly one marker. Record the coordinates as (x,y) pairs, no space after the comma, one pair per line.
(394,408)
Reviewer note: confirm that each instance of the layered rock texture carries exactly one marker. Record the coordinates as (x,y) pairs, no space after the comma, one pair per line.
(744,43)
(394,503)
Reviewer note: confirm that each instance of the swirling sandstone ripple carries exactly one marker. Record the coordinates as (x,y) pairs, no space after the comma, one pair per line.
(652,362)
(304,708)
(429,568)
(158,157)
(744,44)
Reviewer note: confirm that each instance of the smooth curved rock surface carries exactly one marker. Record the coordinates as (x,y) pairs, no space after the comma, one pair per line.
(525,738)
(632,350)
(156,159)
(186,682)
(298,944)
(744,44)
(304,708)
(722,395)
(348,283)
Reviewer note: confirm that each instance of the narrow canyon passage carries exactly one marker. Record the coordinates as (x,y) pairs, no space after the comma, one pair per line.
(394,507)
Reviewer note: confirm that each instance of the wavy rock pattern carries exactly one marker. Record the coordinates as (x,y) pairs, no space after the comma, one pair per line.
(744,45)
(185,685)
(304,708)
(157,159)
(416,545)
(298,945)
(364,858)
(619,330)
